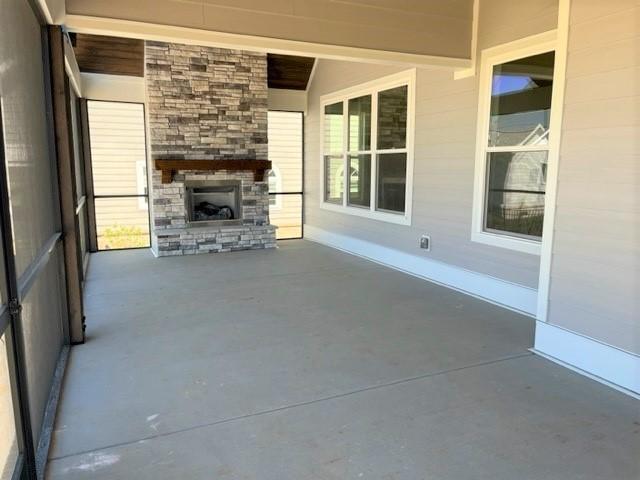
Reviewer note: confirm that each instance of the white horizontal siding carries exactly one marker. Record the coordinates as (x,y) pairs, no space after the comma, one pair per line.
(117,139)
(285,152)
(595,274)
(446,112)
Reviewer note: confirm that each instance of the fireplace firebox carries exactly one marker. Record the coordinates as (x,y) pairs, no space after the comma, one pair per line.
(213,202)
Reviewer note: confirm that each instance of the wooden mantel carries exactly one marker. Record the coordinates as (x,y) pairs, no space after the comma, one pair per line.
(170,167)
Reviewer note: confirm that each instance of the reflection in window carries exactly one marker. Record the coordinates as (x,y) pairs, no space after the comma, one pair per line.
(515,195)
(521,101)
(392,118)
(369,175)
(392,175)
(517,147)
(360,124)
(360,180)
(333,128)
(334,179)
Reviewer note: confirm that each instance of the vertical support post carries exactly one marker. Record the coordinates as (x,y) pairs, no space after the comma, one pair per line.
(88,176)
(66,182)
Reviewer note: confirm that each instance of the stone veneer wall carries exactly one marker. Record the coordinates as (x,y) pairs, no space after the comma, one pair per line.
(206,103)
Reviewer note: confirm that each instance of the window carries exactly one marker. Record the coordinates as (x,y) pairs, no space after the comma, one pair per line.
(513,150)
(367,139)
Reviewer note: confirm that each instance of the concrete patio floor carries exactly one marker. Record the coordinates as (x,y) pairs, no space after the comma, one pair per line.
(308,363)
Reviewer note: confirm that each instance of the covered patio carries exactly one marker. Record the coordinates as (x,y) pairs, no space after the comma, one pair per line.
(305,362)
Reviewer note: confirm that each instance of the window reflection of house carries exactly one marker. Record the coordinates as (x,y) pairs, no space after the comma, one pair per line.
(275,185)
(518,144)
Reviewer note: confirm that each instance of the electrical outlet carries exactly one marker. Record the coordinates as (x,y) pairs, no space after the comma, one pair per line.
(425,242)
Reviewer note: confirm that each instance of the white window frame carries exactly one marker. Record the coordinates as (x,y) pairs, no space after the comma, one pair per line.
(491,57)
(372,88)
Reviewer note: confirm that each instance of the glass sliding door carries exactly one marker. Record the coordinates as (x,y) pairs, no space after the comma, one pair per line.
(285,178)
(119,169)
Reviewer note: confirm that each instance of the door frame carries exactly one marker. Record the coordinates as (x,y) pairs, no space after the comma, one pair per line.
(301,193)
(89,178)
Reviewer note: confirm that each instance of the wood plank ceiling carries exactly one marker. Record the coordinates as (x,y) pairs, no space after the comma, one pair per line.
(110,55)
(125,56)
(288,71)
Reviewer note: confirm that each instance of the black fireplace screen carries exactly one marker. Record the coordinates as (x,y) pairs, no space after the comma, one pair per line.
(210,203)
(208,211)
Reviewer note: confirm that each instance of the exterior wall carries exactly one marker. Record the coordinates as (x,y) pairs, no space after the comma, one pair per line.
(445,132)
(206,103)
(431,27)
(595,273)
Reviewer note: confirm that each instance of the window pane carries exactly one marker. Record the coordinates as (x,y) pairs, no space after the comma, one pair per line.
(516,188)
(392,180)
(521,101)
(333,128)
(333,179)
(118,157)
(360,180)
(8,438)
(360,123)
(285,212)
(392,118)
(122,222)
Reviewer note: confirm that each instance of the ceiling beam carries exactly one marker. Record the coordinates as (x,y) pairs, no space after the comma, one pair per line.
(192,36)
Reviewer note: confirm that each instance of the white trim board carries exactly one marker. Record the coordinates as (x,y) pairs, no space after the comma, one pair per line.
(604,363)
(555,127)
(494,290)
(114,88)
(533,45)
(471,71)
(71,67)
(194,36)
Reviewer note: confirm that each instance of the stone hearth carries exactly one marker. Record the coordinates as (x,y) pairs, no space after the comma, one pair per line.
(207,104)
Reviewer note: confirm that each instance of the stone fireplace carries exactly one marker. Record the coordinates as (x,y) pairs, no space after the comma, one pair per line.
(207,113)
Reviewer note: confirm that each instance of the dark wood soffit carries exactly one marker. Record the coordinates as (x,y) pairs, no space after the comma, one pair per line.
(109,55)
(288,71)
(170,167)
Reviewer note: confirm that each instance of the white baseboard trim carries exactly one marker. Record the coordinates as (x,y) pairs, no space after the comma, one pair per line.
(500,292)
(604,363)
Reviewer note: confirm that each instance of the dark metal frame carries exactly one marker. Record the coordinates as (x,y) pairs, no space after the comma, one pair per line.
(90,187)
(301,193)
